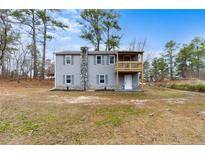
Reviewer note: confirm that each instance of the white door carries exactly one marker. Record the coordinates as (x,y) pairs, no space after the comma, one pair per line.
(128,82)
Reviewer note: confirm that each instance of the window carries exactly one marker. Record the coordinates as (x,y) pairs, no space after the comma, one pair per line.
(68,79)
(111,59)
(99,59)
(67,59)
(102,79)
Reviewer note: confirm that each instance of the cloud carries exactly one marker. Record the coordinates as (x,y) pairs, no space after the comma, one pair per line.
(66,38)
(73,13)
(74,26)
(69,17)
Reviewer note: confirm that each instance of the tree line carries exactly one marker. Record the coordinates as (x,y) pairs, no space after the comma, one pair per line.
(20,56)
(100,28)
(27,57)
(178,61)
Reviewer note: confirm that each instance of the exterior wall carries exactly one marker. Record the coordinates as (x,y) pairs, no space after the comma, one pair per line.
(93,71)
(71,69)
(96,69)
(135,80)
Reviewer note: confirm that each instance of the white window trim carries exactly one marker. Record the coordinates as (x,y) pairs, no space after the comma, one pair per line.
(97,59)
(109,59)
(66,60)
(66,79)
(104,79)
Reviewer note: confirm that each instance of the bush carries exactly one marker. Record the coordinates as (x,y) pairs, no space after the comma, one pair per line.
(189,87)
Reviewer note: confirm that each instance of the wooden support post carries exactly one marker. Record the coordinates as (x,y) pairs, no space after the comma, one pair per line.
(117,59)
(117,75)
(142,75)
(117,81)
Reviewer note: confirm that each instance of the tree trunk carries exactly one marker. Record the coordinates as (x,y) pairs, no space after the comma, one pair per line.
(3,49)
(191,69)
(2,65)
(44,48)
(198,63)
(171,67)
(108,40)
(35,71)
(17,71)
(98,45)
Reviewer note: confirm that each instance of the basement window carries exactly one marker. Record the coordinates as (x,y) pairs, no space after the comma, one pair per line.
(101,79)
(68,79)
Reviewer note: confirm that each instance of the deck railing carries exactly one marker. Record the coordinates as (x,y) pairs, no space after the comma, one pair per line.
(129,66)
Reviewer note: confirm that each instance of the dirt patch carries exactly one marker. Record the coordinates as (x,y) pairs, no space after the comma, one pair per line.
(75,100)
(175,100)
(157,116)
(26,83)
(201,114)
(90,100)
(83,99)
(139,102)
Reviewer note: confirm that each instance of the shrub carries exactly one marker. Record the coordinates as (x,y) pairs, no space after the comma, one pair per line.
(189,87)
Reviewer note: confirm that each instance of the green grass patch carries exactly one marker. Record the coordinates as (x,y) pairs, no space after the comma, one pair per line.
(112,120)
(79,137)
(4,126)
(115,116)
(25,124)
(188,87)
(119,110)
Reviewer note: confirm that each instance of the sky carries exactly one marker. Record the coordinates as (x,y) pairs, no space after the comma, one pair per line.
(156,26)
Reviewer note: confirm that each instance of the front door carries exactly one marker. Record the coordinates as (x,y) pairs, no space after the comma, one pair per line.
(128,82)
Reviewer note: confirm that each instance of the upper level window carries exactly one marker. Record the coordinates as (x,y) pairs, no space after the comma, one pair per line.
(68,79)
(67,59)
(112,59)
(99,59)
(101,79)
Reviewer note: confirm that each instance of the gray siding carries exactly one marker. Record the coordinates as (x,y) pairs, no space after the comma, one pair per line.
(135,79)
(93,70)
(96,69)
(63,69)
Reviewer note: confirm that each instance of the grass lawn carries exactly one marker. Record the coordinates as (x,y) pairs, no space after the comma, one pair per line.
(31,114)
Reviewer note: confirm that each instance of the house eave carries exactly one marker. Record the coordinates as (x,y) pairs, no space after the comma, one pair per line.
(98,52)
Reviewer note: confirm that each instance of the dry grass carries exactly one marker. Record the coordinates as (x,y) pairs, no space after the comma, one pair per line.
(32,114)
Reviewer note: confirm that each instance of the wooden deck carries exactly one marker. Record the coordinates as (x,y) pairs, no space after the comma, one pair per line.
(129,66)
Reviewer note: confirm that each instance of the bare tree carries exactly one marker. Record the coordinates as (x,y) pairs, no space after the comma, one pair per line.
(7,37)
(137,45)
(19,57)
(30,19)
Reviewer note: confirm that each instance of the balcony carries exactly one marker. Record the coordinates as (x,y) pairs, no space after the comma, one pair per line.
(129,66)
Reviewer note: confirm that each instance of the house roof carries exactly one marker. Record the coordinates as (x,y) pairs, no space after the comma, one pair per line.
(95,52)
(68,52)
(127,51)
(101,52)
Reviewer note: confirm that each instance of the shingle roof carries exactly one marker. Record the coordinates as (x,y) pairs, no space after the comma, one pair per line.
(68,52)
(94,52)
(101,52)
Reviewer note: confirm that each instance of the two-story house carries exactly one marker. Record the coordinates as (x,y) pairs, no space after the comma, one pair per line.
(82,70)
